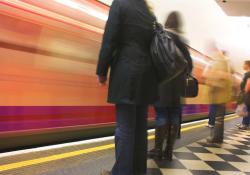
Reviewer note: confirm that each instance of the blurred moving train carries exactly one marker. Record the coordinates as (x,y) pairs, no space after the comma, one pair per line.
(48,87)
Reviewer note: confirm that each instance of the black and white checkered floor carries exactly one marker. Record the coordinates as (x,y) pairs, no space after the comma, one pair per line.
(231,158)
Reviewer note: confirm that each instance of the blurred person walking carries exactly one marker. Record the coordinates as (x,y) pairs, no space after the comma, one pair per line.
(245,92)
(168,107)
(219,78)
(133,85)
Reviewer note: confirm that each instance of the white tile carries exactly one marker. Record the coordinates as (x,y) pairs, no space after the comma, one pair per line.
(175,172)
(208,157)
(196,165)
(243,167)
(218,151)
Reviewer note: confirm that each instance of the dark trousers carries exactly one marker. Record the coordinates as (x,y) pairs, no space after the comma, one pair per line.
(217,133)
(130,140)
(246,120)
(212,113)
(168,115)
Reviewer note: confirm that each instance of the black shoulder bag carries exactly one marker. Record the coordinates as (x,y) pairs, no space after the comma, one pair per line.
(168,61)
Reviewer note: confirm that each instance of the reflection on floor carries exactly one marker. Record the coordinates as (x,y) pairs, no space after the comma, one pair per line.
(231,158)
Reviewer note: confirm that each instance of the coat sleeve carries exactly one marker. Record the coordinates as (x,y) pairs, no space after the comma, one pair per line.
(110,39)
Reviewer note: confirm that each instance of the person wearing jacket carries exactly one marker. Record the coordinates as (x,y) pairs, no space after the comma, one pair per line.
(132,83)
(218,76)
(245,88)
(168,107)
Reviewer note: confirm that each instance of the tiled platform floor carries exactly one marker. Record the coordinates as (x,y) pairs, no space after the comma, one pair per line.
(231,158)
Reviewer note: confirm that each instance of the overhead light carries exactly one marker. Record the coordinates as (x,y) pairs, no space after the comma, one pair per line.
(83,8)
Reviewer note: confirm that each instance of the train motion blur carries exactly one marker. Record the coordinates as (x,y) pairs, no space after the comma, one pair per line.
(49,91)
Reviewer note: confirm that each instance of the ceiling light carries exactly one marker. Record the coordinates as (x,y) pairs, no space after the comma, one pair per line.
(83,8)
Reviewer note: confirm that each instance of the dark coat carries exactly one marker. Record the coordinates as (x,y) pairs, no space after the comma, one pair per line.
(126,49)
(170,92)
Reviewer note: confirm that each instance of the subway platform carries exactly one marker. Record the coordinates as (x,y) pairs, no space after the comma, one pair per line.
(192,156)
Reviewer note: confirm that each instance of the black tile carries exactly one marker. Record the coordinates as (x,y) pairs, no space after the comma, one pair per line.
(186,156)
(237,151)
(209,145)
(230,158)
(198,149)
(200,172)
(154,171)
(244,142)
(242,147)
(175,164)
(221,166)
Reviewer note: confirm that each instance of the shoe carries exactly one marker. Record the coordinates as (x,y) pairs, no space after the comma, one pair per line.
(238,125)
(243,127)
(105,172)
(210,126)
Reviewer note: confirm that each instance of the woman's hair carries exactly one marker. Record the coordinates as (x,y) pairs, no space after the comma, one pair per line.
(247,63)
(150,6)
(174,21)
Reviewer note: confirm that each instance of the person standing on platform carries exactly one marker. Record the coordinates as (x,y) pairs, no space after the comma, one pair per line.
(218,77)
(132,83)
(168,107)
(245,89)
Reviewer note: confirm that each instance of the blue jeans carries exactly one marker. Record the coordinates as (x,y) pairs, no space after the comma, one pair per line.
(168,115)
(212,113)
(130,140)
(246,120)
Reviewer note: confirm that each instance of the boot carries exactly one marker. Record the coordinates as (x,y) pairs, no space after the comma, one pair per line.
(171,138)
(217,133)
(156,153)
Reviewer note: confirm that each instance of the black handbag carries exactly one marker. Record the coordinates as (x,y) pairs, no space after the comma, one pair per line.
(168,61)
(191,88)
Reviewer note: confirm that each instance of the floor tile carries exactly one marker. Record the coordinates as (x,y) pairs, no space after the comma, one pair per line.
(241,135)
(242,147)
(221,166)
(151,164)
(247,151)
(237,138)
(200,172)
(198,149)
(243,167)
(175,164)
(230,158)
(233,142)
(195,145)
(218,151)
(186,156)
(208,157)
(175,172)
(230,173)
(237,152)
(182,149)
(228,146)
(209,145)
(244,157)
(196,165)
(154,171)
(245,142)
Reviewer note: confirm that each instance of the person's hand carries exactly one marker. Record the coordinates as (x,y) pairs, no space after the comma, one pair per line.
(102,80)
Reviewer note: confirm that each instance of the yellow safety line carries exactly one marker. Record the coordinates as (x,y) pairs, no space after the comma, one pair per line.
(26,163)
